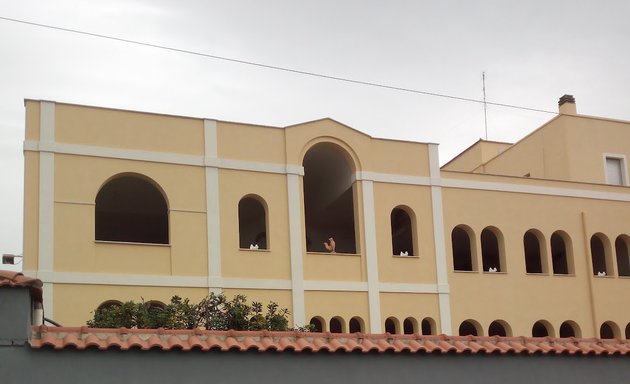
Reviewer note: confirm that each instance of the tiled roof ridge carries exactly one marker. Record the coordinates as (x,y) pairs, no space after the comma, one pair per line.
(17,279)
(295,341)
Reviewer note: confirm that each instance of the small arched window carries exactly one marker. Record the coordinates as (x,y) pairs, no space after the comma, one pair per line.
(317,324)
(491,250)
(609,330)
(628,331)
(470,328)
(462,248)
(337,325)
(356,324)
(600,255)
(402,232)
(623,256)
(131,208)
(542,328)
(252,223)
(428,326)
(535,260)
(561,253)
(410,326)
(391,325)
(569,329)
(499,328)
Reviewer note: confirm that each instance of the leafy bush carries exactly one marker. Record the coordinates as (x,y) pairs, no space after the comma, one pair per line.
(214,312)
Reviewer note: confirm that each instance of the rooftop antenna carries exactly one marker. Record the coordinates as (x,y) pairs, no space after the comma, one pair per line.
(485,105)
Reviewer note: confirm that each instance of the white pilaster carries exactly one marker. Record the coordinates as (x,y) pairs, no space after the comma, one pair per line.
(295,241)
(212,205)
(371,256)
(439,241)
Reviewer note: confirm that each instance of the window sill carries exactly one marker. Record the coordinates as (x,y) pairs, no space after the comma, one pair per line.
(333,254)
(131,243)
(405,257)
(495,273)
(462,271)
(604,277)
(565,274)
(254,250)
(537,274)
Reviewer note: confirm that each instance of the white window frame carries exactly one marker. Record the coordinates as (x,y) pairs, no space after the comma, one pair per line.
(624,167)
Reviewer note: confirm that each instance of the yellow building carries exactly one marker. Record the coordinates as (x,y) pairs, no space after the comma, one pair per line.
(528,238)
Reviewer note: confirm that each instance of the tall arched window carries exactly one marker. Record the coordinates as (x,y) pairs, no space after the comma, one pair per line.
(561,253)
(462,248)
(329,199)
(491,250)
(391,325)
(131,208)
(252,222)
(623,256)
(600,255)
(402,231)
(533,244)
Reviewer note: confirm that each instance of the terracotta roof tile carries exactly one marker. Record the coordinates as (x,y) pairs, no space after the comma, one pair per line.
(264,341)
(17,279)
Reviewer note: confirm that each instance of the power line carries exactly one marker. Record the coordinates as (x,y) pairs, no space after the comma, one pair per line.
(274,67)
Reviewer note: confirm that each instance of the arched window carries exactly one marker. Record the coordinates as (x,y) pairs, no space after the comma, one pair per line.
(252,223)
(410,326)
(329,199)
(391,325)
(428,326)
(109,304)
(131,208)
(609,330)
(317,324)
(600,255)
(337,325)
(542,328)
(499,328)
(470,328)
(402,231)
(533,244)
(491,250)
(623,256)
(356,324)
(628,331)
(570,329)
(561,253)
(462,248)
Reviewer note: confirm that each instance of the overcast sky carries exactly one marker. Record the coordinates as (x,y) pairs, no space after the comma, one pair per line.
(533,52)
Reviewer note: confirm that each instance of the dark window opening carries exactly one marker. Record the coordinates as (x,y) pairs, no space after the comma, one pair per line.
(462,253)
(623,258)
(467,328)
(533,255)
(567,330)
(8,259)
(409,326)
(559,255)
(608,330)
(131,209)
(356,325)
(598,256)
(628,331)
(497,329)
(390,325)
(317,324)
(402,233)
(428,326)
(329,200)
(540,330)
(336,325)
(252,224)
(490,255)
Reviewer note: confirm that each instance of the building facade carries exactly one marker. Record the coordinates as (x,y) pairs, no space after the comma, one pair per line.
(530,238)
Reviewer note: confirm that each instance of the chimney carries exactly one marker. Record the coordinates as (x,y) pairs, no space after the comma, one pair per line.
(566,105)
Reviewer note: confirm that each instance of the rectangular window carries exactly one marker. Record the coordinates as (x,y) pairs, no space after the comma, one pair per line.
(615,171)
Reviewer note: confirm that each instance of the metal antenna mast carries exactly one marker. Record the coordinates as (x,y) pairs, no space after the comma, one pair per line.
(485,105)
